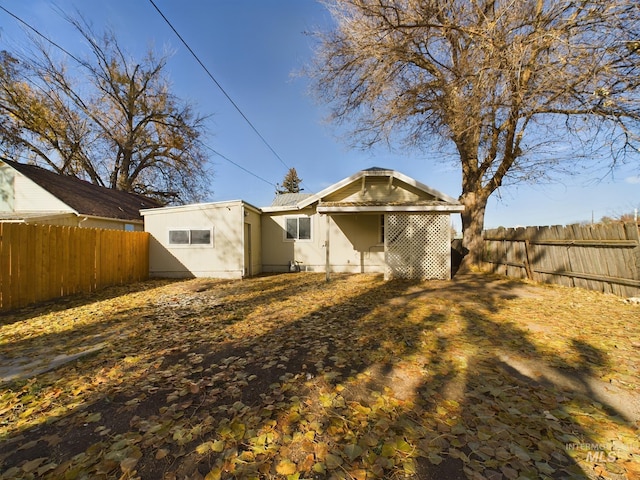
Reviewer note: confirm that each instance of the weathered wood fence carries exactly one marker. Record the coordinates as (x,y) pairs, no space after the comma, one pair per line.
(597,257)
(42,262)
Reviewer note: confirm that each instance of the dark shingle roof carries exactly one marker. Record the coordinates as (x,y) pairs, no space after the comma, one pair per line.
(87,198)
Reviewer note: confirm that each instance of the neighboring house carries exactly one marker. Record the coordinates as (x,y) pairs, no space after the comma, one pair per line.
(377,220)
(31,194)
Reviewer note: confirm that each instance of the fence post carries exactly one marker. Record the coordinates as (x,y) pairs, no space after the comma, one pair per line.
(527,259)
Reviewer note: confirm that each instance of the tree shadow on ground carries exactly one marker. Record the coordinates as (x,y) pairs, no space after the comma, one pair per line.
(358,378)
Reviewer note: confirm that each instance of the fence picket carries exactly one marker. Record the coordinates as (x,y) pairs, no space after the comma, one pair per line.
(603,257)
(5,265)
(43,262)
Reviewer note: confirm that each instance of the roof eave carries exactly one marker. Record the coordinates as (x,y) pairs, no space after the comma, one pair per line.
(87,216)
(391,209)
(377,173)
(199,206)
(284,208)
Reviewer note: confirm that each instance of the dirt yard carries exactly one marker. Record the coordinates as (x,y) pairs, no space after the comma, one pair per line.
(292,377)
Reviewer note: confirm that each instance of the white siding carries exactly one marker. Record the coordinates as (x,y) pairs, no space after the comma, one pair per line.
(30,197)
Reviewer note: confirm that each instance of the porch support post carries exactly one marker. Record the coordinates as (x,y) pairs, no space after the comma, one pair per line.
(327,263)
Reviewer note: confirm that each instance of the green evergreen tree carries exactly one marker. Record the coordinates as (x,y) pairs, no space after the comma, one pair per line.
(290,183)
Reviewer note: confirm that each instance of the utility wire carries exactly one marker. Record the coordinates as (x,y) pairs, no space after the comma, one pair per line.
(43,36)
(239,166)
(218,85)
(61,48)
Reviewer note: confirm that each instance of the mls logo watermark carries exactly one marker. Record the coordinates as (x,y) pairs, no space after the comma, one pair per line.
(600,456)
(598,452)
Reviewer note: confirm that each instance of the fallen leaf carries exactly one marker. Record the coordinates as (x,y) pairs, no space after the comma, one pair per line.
(286,467)
(332,461)
(128,464)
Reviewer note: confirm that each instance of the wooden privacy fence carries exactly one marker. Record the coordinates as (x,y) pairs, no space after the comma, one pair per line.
(42,262)
(597,257)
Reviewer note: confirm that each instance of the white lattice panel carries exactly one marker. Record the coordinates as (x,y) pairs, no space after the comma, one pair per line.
(417,246)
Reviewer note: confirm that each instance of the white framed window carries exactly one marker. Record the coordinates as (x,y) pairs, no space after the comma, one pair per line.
(185,237)
(297,228)
(381,230)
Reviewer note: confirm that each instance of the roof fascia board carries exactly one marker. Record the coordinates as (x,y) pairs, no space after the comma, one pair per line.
(432,191)
(283,208)
(109,219)
(332,188)
(392,208)
(35,215)
(197,206)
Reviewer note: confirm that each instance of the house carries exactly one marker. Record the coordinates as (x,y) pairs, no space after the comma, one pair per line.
(31,194)
(378,220)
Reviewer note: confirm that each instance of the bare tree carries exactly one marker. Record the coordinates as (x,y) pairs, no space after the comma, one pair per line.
(113,121)
(511,85)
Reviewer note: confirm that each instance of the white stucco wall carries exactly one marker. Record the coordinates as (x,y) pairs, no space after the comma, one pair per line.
(354,245)
(224,258)
(252,242)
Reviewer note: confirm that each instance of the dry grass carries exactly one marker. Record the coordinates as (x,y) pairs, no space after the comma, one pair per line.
(290,377)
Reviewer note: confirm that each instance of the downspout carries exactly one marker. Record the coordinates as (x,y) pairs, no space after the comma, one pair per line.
(243,268)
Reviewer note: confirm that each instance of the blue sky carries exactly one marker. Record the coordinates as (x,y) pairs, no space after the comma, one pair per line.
(254,49)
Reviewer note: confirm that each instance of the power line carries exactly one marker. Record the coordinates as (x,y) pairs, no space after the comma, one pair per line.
(30,27)
(239,166)
(43,36)
(218,85)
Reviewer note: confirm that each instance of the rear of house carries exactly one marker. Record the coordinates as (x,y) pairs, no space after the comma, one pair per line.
(377,220)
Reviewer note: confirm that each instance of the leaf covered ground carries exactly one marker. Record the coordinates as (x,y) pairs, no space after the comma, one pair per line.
(291,377)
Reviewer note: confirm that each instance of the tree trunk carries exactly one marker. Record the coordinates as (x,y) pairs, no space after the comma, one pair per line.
(472,227)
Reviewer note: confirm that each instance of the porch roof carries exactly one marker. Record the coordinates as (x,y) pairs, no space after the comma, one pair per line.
(382,207)
(355,188)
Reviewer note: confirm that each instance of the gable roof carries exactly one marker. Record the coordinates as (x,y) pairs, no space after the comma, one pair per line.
(84,197)
(439,202)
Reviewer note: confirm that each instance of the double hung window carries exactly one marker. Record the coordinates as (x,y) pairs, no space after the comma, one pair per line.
(298,228)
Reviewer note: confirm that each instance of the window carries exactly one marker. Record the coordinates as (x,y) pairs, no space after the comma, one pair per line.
(298,228)
(381,230)
(200,237)
(190,237)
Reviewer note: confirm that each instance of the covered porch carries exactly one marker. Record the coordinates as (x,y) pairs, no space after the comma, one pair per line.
(412,239)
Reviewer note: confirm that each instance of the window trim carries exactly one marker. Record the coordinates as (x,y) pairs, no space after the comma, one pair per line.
(285,232)
(190,243)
